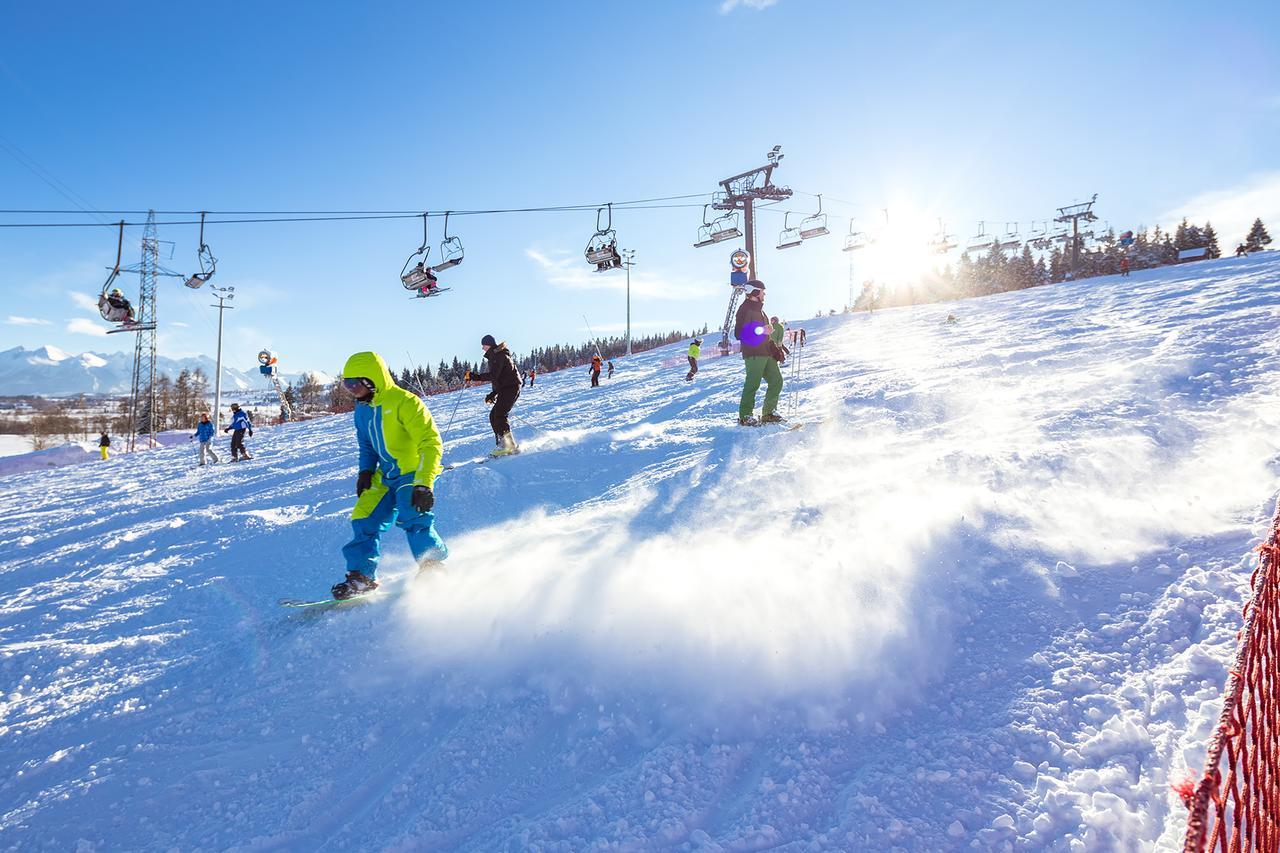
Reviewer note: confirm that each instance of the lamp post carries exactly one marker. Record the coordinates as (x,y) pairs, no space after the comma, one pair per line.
(223,295)
(628,261)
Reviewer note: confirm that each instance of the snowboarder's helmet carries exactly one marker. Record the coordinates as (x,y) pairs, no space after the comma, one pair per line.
(115,291)
(488,341)
(755,286)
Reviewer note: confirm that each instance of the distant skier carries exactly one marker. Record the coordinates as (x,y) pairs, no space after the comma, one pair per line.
(284,414)
(951,320)
(1124,267)
(533,376)
(610,376)
(505,379)
(104,441)
(595,371)
(400,451)
(1242,250)
(695,350)
(751,327)
(204,434)
(240,423)
(777,334)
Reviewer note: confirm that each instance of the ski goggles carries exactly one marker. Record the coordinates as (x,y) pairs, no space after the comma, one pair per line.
(357,385)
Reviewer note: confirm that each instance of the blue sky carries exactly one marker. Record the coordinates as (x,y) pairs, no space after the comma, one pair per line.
(997,112)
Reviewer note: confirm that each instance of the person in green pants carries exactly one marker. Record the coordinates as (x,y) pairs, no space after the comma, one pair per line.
(751,327)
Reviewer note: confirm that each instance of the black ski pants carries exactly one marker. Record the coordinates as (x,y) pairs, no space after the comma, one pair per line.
(595,378)
(237,444)
(501,408)
(693,367)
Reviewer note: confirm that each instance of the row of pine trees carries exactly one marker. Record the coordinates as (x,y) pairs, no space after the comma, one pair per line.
(997,271)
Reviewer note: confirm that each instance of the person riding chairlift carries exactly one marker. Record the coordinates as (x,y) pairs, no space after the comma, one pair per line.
(432,284)
(121,309)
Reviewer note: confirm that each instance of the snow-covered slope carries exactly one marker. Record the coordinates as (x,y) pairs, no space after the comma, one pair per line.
(50,372)
(982,600)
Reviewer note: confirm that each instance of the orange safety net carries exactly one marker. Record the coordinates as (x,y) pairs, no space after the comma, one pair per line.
(1235,807)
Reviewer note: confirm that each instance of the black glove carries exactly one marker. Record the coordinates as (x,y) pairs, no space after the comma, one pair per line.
(250,433)
(226,429)
(423,498)
(363,482)
(491,397)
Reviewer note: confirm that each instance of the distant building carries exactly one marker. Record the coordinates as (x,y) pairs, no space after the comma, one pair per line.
(1193,254)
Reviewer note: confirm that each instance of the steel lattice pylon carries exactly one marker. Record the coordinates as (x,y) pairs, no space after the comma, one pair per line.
(142,393)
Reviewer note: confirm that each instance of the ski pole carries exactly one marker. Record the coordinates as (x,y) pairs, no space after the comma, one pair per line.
(464,387)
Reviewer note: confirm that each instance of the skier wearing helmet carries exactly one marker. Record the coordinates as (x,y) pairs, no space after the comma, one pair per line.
(752,328)
(400,450)
(120,308)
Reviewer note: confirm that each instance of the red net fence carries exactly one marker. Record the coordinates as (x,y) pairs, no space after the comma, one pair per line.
(1235,807)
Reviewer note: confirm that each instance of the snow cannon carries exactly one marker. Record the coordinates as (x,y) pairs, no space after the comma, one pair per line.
(267,363)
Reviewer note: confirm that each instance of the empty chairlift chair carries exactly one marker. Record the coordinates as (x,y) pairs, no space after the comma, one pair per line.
(855,240)
(982,240)
(816,225)
(725,228)
(704,231)
(790,237)
(451,252)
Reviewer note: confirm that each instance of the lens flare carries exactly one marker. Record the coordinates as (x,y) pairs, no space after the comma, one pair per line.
(753,336)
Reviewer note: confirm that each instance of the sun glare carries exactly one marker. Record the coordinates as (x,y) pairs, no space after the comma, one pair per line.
(900,251)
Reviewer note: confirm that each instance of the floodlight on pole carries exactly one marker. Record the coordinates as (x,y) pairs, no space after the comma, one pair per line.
(223,295)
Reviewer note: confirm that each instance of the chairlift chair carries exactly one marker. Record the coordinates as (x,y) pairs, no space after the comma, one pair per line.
(208,263)
(816,225)
(981,240)
(725,228)
(1012,239)
(451,252)
(117,313)
(854,240)
(942,243)
(789,238)
(704,231)
(602,248)
(415,274)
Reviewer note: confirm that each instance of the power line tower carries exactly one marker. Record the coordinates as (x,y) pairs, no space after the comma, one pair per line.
(741,192)
(1074,213)
(142,392)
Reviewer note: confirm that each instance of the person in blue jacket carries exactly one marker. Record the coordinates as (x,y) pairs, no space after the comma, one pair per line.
(204,434)
(239,424)
(400,455)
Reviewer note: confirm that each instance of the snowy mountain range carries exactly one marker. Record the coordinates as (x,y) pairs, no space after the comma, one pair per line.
(49,372)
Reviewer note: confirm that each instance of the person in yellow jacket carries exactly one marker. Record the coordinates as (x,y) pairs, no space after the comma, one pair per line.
(695,350)
(400,452)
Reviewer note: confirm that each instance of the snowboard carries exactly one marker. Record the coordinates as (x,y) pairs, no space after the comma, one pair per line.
(479,460)
(330,601)
(434,293)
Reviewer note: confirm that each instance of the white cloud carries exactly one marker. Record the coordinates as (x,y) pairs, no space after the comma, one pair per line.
(26,321)
(727,6)
(84,300)
(81,326)
(569,271)
(1233,210)
(178,325)
(614,328)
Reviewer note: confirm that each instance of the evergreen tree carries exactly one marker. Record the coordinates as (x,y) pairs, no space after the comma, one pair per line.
(1211,241)
(1258,238)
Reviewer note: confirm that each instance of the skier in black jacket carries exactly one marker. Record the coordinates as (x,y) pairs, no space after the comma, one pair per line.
(752,327)
(505,377)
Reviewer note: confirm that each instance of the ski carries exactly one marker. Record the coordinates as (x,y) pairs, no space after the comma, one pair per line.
(323,602)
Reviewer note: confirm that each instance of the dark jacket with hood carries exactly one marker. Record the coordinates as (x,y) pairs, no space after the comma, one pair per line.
(751,313)
(502,371)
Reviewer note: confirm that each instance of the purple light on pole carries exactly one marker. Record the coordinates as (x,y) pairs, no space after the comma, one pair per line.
(754,335)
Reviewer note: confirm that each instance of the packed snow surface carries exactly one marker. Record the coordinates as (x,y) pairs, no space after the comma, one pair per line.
(983,599)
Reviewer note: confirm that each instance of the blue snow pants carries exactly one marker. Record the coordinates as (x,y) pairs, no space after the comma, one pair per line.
(375,511)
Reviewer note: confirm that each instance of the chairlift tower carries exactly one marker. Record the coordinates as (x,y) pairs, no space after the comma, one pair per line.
(741,192)
(142,391)
(1074,213)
